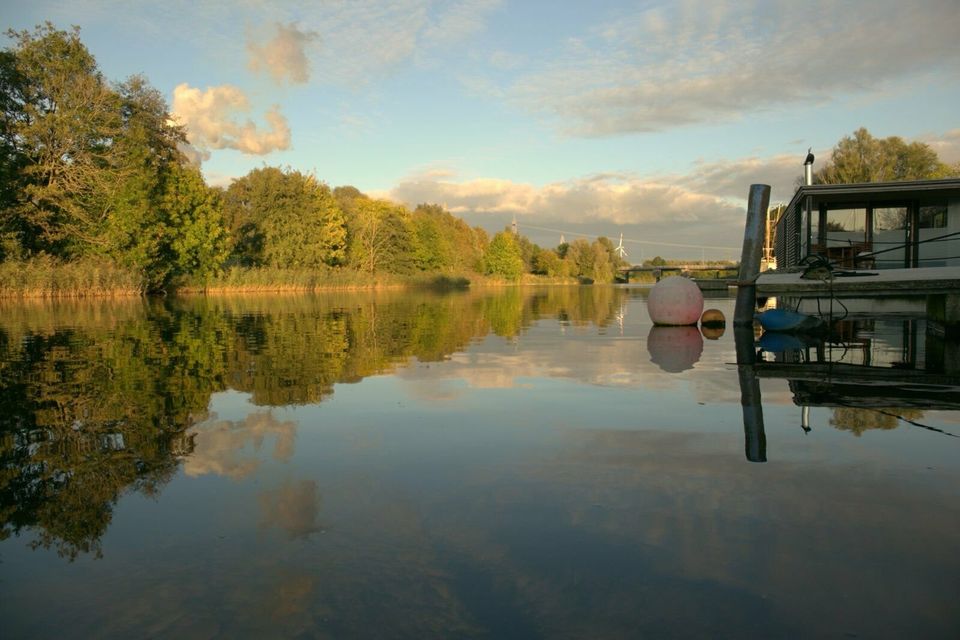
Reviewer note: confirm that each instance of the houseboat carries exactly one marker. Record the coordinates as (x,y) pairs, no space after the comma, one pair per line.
(895,246)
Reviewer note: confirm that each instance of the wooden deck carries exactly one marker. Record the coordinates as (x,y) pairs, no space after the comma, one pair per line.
(886,282)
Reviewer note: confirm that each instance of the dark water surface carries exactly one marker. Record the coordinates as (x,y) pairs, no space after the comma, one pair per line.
(494,464)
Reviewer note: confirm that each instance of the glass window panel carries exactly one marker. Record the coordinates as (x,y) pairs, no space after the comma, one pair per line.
(850,220)
(890,218)
(890,238)
(933,216)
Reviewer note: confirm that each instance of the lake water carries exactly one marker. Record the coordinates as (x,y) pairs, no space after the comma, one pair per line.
(515,463)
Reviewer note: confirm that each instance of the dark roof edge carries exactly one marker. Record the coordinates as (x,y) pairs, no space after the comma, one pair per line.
(874,187)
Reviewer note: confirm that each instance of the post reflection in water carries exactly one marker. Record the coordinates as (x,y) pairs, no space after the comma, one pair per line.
(755,439)
(494,463)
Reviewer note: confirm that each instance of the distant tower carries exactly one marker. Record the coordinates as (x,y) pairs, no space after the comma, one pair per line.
(514,225)
(562,240)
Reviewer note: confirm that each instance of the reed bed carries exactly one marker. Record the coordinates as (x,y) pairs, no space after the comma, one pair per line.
(268,279)
(47,277)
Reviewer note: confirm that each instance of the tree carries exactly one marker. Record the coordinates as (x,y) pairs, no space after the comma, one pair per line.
(580,258)
(284,219)
(195,237)
(432,246)
(527,251)
(601,262)
(90,169)
(863,158)
(503,257)
(149,160)
(380,237)
(60,123)
(547,262)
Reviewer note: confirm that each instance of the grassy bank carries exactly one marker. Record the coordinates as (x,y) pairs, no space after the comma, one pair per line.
(47,277)
(265,280)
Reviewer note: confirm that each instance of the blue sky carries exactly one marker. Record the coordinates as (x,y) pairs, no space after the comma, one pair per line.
(649,119)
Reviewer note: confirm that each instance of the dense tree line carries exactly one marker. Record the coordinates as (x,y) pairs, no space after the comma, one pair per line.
(95,171)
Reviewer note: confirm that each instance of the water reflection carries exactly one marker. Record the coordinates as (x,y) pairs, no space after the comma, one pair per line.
(218,445)
(508,463)
(674,349)
(97,399)
(874,373)
(755,438)
(293,507)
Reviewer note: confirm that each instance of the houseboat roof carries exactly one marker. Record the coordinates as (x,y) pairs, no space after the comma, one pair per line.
(907,189)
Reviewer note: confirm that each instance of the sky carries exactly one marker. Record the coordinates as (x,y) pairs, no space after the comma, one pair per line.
(649,119)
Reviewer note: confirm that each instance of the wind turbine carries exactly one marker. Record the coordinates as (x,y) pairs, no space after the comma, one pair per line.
(620,250)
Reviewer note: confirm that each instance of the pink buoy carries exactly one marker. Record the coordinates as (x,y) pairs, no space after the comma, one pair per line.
(675,301)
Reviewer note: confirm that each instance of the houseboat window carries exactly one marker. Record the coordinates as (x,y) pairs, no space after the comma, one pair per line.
(933,216)
(889,238)
(935,247)
(889,218)
(845,225)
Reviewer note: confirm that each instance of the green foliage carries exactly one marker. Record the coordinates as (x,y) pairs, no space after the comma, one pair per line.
(503,257)
(147,153)
(93,173)
(546,262)
(284,219)
(433,250)
(61,119)
(444,242)
(864,158)
(381,237)
(195,235)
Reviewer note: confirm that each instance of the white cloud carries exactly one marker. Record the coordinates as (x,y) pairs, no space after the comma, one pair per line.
(685,63)
(732,178)
(946,145)
(621,199)
(283,56)
(212,121)
(668,211)
(363,40)
(702,208)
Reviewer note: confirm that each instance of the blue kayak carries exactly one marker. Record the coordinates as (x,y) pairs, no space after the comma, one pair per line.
(788,321)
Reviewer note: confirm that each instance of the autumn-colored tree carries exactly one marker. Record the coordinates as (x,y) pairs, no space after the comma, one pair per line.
(284,218)
(380,237)
(503,257)
(861,157)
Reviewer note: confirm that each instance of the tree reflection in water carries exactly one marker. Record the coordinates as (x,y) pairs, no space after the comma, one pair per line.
(98,399)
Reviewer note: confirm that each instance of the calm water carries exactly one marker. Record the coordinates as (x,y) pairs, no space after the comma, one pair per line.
(515,464)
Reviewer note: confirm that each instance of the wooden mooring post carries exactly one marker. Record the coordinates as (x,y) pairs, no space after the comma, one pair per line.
(753,235)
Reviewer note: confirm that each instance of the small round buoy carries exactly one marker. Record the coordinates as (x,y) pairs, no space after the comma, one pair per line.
(674,349)
(675,301)
(712,324)
(712,332)
(713,318)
